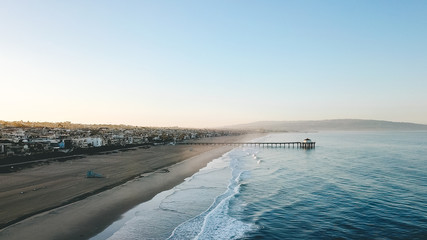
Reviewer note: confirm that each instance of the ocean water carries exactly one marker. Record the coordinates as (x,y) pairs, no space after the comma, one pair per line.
(353,185)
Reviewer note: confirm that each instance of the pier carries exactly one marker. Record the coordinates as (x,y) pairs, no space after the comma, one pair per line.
(306,145)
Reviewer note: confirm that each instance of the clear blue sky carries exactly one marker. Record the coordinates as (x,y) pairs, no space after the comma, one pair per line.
(212,63)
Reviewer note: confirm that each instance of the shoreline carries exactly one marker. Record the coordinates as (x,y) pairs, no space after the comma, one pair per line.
(84,218)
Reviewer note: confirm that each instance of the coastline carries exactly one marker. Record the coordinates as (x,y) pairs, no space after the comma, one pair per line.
(84,218)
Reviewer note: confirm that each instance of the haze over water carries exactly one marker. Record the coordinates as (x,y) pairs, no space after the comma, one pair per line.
(353,185)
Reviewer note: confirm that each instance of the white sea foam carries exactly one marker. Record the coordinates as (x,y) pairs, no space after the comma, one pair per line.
(216,222)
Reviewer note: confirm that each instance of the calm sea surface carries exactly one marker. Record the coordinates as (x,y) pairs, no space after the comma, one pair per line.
(354,185)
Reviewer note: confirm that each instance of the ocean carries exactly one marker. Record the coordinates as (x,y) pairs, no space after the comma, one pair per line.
(353,185)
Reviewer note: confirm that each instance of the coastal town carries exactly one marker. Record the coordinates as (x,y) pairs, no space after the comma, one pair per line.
(28,140)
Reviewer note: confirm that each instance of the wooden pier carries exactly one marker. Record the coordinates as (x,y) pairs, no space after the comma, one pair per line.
(306,145)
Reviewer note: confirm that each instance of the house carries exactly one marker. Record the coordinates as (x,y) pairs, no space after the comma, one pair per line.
(88,142)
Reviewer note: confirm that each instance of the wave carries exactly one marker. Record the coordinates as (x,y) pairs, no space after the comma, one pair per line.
(216,222)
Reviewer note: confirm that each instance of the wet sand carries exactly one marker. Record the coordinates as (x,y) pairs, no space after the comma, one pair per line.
(64,204)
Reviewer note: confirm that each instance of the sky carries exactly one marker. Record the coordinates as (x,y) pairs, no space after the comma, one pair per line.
(212,63)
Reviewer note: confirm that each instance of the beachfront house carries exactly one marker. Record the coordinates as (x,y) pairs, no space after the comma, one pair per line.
(87,142)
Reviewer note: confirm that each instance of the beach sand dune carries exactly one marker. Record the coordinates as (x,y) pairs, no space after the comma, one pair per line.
(57,201)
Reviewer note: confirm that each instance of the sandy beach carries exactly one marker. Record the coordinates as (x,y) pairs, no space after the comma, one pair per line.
(57,201)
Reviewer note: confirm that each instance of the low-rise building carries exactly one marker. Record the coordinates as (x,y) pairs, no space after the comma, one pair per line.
(88,142)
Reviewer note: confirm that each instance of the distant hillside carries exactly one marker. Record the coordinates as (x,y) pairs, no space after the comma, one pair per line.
(332,125)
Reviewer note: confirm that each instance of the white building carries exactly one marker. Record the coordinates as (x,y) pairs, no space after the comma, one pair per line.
(88,142)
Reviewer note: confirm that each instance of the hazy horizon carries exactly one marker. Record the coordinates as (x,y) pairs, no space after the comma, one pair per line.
(298,125)
(212,63)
